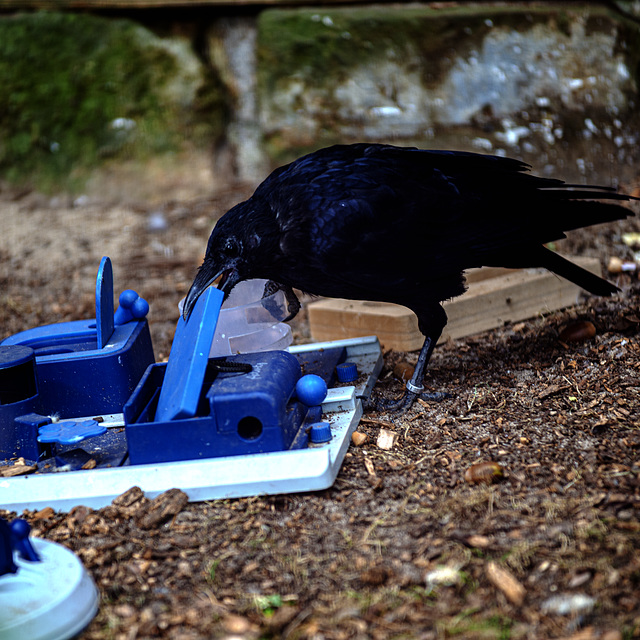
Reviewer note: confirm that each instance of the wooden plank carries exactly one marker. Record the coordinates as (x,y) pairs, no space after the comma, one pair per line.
(495,296)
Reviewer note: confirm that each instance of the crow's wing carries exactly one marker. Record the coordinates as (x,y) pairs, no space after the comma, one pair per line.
(381,217)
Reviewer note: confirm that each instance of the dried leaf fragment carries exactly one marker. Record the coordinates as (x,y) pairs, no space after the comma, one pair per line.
(45,514)
(19,468)
(551,390)
(368,463)
(163,508)
(386,439)
(504,580)
(129,497)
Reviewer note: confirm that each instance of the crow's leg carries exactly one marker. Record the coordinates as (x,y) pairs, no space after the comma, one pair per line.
(431,325)
(415,388)
(293,304)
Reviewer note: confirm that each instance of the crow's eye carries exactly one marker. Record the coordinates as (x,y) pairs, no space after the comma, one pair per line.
(231,248)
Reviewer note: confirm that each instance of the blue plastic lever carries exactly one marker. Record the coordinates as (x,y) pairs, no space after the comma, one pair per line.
(104,302)
(188,359)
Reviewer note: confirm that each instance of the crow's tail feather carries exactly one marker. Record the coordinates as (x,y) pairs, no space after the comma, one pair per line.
(575,214)
(583,278)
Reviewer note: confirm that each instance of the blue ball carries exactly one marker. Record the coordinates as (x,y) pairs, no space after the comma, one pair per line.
(311,390)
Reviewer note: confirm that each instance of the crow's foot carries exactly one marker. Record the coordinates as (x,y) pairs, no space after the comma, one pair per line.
(293,304)
(403,404)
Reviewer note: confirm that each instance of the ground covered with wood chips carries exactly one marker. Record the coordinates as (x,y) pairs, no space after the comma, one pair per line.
(404,545)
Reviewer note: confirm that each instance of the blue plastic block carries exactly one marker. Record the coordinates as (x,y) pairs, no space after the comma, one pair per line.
(75,378)
(238,413)
(18,396)
(17,374)
(20,438)
(104,303)
(188,359)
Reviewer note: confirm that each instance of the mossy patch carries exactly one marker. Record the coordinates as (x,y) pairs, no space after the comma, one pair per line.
(323,44)
(78,89)
(331,74)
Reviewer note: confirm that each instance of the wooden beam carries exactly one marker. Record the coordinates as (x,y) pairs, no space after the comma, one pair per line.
(495,296)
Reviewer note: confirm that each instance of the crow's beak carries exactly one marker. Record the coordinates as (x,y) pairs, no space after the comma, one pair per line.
(205,278)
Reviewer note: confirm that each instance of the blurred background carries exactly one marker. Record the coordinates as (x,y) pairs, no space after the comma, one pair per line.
(219,90)
(128,126)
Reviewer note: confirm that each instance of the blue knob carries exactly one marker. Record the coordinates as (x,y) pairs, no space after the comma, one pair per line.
(132,307)
(20,530)
(347,372)
(320,432)
(311,390)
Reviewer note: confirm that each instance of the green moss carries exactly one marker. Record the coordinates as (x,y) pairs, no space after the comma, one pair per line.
(322,44)
(77,89)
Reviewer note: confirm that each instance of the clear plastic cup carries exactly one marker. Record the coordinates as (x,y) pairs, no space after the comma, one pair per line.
(248,322)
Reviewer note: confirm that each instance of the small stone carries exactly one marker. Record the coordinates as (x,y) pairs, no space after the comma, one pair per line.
(614,265)
(358,438)
(578,332)
(484,473)
(579,579)
(157,222)
(236,624)
(568,604)
(403,371)
(631,239)
(478,541)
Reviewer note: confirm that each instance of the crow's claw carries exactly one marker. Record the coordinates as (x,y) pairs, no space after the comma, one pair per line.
(293,304)
(436,396)
(403,404)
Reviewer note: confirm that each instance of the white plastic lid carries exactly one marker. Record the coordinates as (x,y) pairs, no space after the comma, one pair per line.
(54,599)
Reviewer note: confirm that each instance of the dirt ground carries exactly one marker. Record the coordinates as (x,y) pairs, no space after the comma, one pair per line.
(402,546)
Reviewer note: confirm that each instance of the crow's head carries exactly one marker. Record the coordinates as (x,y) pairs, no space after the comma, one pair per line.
(231,244)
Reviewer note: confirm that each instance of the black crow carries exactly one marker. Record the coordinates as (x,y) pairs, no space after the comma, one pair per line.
(379,222)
